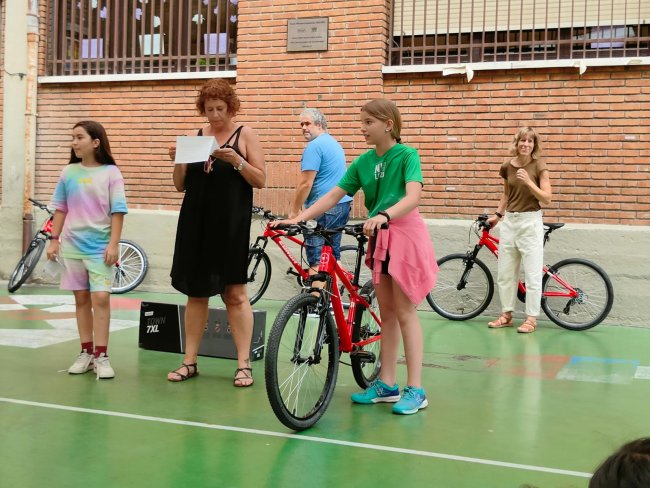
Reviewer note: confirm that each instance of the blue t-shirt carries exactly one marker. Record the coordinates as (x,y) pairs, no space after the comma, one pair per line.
(325,156)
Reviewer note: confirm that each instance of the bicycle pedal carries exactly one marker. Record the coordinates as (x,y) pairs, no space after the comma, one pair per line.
(364,356)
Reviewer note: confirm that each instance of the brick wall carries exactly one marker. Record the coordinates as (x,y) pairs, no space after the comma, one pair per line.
(595,127)
(142,119)
(595,132)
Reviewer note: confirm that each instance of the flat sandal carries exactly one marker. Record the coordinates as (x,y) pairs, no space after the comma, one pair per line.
(527,327)
(502,321)
(191,373)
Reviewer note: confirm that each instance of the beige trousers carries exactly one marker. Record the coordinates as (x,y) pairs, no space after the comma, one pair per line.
(521,242)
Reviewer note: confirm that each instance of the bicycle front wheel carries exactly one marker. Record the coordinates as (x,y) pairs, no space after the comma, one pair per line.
(130,269)
(26,265)
(301,362)
(366,361)
(463,289)
(258,274)
(593,302)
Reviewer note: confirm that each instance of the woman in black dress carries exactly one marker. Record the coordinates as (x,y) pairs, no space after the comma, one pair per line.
(212,238)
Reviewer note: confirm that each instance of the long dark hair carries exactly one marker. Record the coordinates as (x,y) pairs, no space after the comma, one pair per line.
(95,130)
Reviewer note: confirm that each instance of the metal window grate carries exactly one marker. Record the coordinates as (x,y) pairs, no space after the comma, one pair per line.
(480,31)
(98,37)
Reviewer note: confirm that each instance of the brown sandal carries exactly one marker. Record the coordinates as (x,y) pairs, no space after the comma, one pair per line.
(504,320)
(527,327)
(191,373)
(247,374)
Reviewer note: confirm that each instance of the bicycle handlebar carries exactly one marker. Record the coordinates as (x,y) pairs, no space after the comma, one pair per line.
(40,205)
(265,214)
(355,230)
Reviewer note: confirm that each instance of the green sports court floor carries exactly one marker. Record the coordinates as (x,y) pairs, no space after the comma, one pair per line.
(505,410)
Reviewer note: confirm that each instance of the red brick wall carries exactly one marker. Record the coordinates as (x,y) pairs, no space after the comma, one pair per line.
(276,85)
(595,132)
(142,119)
(595,127)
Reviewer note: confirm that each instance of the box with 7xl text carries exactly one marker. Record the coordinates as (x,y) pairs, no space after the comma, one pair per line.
(162,328)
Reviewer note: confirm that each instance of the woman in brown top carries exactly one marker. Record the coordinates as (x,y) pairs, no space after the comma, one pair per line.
(526,186)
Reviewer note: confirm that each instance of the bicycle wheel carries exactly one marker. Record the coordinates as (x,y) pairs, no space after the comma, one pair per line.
(301,362)
(259,273)
(131,267)
(26,265)
(366,363)
(463,289)
(594,300)
(349,261)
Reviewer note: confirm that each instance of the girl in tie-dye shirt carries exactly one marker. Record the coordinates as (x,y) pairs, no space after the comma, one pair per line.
(90,204)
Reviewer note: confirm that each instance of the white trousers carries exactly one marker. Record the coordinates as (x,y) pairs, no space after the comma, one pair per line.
(521,242)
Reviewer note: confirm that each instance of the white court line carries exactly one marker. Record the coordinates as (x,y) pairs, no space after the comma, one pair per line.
(321,440)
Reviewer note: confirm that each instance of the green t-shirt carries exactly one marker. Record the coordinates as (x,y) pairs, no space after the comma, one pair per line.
(382,178)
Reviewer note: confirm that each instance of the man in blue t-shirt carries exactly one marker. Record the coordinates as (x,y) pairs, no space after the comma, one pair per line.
(322,166)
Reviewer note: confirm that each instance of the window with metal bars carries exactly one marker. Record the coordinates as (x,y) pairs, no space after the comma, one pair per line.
(480,31)
(100,37)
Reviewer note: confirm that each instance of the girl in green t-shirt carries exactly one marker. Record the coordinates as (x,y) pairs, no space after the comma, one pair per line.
(404,269)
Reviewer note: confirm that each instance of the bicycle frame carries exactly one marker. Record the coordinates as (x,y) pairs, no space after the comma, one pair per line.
(276,235)
(330,270)
(492,243)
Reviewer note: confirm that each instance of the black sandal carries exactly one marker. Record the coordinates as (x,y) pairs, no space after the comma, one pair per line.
(248,375)
(191,373)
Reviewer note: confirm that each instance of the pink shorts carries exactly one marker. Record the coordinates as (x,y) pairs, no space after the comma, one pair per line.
(87,274)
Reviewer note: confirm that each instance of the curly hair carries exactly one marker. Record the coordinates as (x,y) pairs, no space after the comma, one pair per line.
(218,89)
(524,132)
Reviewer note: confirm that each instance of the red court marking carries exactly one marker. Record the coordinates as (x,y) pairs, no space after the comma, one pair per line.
(125,303)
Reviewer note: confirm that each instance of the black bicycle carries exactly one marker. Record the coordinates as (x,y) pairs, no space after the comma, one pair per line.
(130,268)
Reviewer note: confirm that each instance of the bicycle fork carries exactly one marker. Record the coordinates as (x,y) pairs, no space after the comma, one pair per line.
(469,260)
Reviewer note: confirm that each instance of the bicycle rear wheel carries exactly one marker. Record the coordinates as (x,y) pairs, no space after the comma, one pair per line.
(26,265)
(464,289)
(301,362)
(131,267)
(259,273)
(366,361)
(594,300)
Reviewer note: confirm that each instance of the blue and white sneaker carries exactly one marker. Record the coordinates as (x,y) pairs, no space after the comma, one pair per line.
(377,392)
(413,399)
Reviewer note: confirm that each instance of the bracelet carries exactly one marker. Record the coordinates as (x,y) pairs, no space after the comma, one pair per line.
(385,214)
(54,238)
(241,165)
(498,215)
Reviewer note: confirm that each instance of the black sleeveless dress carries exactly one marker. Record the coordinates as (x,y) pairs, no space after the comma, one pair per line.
(213,233)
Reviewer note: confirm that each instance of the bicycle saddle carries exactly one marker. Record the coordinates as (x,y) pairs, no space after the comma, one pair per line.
(554,226)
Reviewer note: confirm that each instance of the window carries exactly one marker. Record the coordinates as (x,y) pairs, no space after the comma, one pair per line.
(97,37)
(475,31)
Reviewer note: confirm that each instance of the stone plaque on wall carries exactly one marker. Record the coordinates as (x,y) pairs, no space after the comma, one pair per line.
(307,34)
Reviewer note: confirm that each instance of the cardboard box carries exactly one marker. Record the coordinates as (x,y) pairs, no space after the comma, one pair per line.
(162,328)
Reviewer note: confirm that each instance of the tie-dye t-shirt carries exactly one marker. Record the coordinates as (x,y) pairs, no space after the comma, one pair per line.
(88,196)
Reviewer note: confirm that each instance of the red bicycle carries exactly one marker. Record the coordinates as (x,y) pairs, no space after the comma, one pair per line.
(576,293)
(130,269)
(311,331)
(259,263)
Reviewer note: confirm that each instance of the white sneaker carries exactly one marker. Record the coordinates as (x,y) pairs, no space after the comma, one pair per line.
(83,363)
(103,367)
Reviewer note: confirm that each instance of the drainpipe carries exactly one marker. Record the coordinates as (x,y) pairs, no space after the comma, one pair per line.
(31,80)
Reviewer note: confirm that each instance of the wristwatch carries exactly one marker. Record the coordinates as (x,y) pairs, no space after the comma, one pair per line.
(498,215)
(241,165)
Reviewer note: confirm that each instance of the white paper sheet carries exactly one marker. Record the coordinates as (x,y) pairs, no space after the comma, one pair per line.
(192,149)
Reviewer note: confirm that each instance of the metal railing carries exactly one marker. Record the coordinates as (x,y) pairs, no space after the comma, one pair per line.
(99,37)
(480,31)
